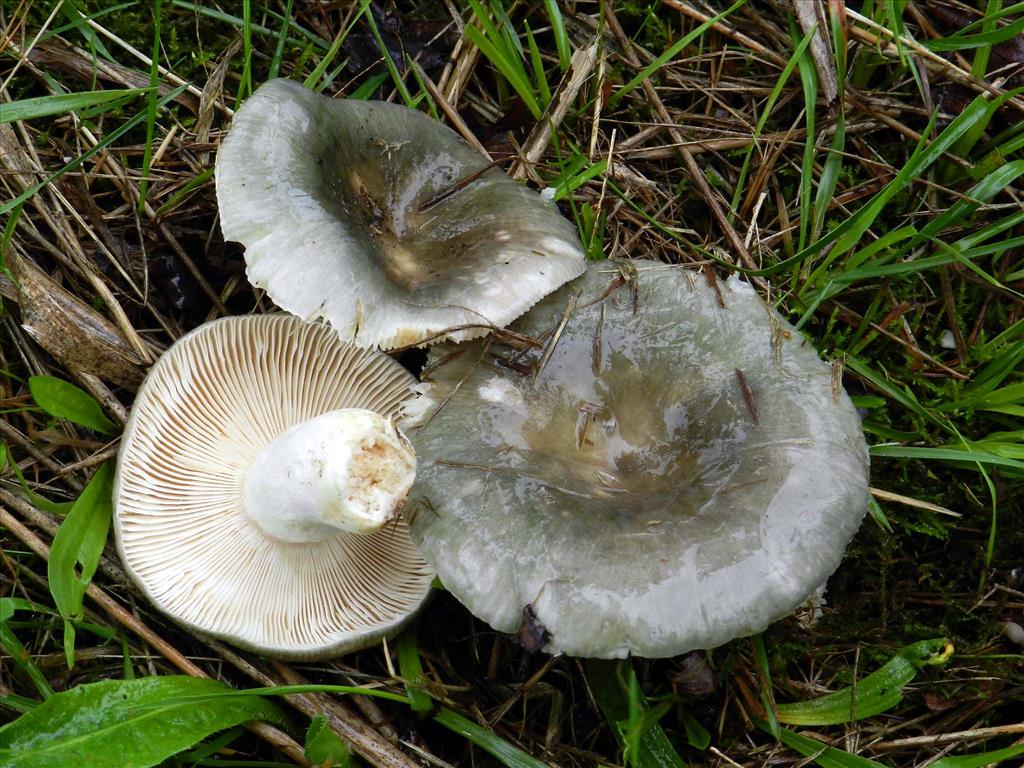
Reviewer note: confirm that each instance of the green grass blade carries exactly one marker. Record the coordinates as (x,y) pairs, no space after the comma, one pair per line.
(78,19)
(313,78)
(78,22)
(809,84)
(964,42)
(185,191)
(904,397)
(367,89)
(765,689)
(47,106)
(396,77)
(766,112)
(503,50)
(945,454)
(537,63)
(17,653)
(560,33)
(670,53)
(412,672)
(618,695)
(830,173)
(7,462)
(245,83)
(107,140)
(876,693)
(822,754)
(923,156)
(487,740)
(154,81)
(282,36)
(238,23)
(995,757)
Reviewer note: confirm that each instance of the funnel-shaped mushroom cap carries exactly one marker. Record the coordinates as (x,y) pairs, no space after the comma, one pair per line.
(208,409)
(342,207)
(677,474)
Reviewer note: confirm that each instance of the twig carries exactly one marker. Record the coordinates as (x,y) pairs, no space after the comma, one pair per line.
(346,723)
(582,65)
(450,112)
(344,720)
(811,15)
(944,738)
(725,30)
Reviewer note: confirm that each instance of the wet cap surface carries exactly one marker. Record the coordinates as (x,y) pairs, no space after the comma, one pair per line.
(678,474)
(342,207)
(208,406)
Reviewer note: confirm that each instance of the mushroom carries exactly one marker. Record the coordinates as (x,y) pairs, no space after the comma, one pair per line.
(259,486)
(383,221)
(674,468)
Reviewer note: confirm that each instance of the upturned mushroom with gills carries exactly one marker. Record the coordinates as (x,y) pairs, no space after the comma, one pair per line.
(259,489)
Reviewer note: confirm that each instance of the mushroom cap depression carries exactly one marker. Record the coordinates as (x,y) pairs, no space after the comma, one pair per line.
(342,207)
(207,408)
(677,470)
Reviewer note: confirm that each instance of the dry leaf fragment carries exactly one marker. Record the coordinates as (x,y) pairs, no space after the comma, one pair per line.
(71,331)
(812,14)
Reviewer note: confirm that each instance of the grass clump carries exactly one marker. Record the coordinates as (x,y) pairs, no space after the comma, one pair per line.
(861,170)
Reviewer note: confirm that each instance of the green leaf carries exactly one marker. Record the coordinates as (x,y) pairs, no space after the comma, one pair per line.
(124,723)
(412,672)
(822,754)
(44,106)
(995,757)
(487,740)
(66,401)
(616,691)
(696,734)
(876,693)
(323,746)
(9,642)
(77,547)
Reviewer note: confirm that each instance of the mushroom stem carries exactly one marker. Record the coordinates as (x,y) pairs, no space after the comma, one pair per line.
(345,471)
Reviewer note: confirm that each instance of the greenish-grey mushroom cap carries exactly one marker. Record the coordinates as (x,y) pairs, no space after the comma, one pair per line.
(383,221)
(672,469)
